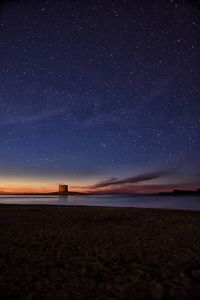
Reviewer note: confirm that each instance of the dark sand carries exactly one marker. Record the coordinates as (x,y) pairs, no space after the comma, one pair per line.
(49,252)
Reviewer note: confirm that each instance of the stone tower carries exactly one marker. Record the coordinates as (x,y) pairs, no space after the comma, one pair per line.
(63,189)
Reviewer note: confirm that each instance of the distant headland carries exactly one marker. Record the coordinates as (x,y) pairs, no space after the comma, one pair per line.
(180,193)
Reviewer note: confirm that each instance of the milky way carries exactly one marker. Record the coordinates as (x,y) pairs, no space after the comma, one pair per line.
(94,91)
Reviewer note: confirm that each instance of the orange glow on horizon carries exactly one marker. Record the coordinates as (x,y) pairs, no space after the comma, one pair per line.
(35,185)
(34,189)
(13,185)
(31,190)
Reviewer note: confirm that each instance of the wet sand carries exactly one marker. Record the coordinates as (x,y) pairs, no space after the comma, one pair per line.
(52,252)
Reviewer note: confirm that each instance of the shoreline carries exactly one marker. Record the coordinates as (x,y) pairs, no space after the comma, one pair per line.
(99,206)
(89,252)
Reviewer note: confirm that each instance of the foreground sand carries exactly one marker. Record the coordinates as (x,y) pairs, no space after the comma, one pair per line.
(49,252)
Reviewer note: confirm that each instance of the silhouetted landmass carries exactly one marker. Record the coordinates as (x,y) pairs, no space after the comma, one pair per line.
(44,194)
(180,193)
(65,194)
(174,193)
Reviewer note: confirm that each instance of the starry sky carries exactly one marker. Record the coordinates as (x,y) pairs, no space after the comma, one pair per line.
(102,95)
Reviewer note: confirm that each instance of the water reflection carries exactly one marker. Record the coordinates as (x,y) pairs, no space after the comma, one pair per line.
(185,202)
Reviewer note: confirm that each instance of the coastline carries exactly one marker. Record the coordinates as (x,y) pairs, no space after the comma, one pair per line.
(85,252)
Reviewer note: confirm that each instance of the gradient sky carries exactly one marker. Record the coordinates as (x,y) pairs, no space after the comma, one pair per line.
(102,96)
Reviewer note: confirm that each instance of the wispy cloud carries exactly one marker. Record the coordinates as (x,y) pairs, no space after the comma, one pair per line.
(31,117)
(131,180)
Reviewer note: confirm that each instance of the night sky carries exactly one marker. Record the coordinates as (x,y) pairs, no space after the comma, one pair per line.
(102,95)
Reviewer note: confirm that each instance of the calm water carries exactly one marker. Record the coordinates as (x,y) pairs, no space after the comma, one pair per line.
(192,202)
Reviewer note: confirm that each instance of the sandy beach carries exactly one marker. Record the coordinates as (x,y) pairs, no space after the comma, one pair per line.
(52,252)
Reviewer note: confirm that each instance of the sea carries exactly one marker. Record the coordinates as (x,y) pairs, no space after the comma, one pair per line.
(152,201)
